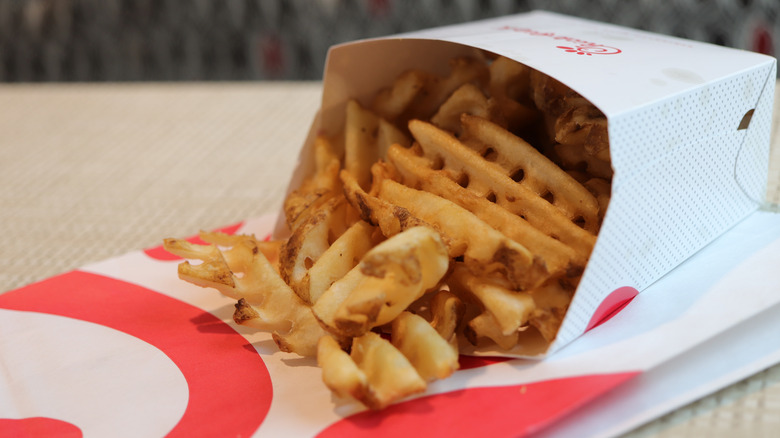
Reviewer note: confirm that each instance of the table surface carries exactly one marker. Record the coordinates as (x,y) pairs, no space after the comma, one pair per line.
(91,171)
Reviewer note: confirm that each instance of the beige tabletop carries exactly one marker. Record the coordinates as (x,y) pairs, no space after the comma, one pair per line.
(92,171)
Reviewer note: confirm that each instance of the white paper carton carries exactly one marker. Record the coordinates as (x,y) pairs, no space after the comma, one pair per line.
(688,124)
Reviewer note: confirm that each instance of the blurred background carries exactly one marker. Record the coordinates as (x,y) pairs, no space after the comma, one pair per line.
(236,40)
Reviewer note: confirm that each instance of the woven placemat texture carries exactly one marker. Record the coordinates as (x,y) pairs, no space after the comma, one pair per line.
(88,172)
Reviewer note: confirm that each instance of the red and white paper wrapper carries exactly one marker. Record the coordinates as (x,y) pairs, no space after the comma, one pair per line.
(125,348)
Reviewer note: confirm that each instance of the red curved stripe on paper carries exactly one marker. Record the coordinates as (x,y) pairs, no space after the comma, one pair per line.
(612,304)
(230,389)
(159,253)
(37,427)
(502,411)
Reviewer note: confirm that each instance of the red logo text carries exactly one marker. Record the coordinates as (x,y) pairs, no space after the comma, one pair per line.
(578,46)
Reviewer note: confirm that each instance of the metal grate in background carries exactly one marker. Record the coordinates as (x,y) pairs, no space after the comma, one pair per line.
(172,40)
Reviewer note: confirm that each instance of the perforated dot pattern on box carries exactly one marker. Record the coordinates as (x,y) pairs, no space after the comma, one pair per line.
(686,170)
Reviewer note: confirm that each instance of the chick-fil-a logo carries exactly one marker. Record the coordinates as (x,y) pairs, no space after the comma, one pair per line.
(578,46)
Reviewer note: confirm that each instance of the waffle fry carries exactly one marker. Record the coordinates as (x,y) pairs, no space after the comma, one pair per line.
(550,304)
(577,130)
(388,279)
(360,133)
(483,249)
(380,375)
(378,372)
(584,126)
(503,311)
(397,207)
(439,224)
(509,79)
(318,188)
(334,263)
(574,157)
(487,179)
(601,189)
(391,219)
(511,309)
(436,90)
(309,241)
(509,89)
(539,174)
(266,302)
(339,372)
(429,353)
(447,311)
(393,101)
(468,99)
(417,171)
(416,94)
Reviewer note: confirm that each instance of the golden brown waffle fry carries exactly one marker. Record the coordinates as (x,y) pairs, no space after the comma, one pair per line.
(509,89)
(430,354)
(576,128)
(343,255)
(389,373)
(602,190)
(318,188)
(388,279)
(531,169)
(265,300)
(416,94)
(397,272)
(447,311)
(309,241)
(389,135)
(339,372)
(298,332)
(391,219)
(510,308)
(575,157)
(485,325)
(551,96)
(468,99)
(503,311)
(483,249)
(360,133)
(366,140)
(416,171)
(585,126)
(551,302)
(509,79)
(378,372)
(489,180)
(393,101)
(436,90)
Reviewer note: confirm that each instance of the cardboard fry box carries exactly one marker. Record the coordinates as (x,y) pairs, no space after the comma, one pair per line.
(688,123)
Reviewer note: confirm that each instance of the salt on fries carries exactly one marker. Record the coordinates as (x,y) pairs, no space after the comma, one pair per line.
(451,209)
